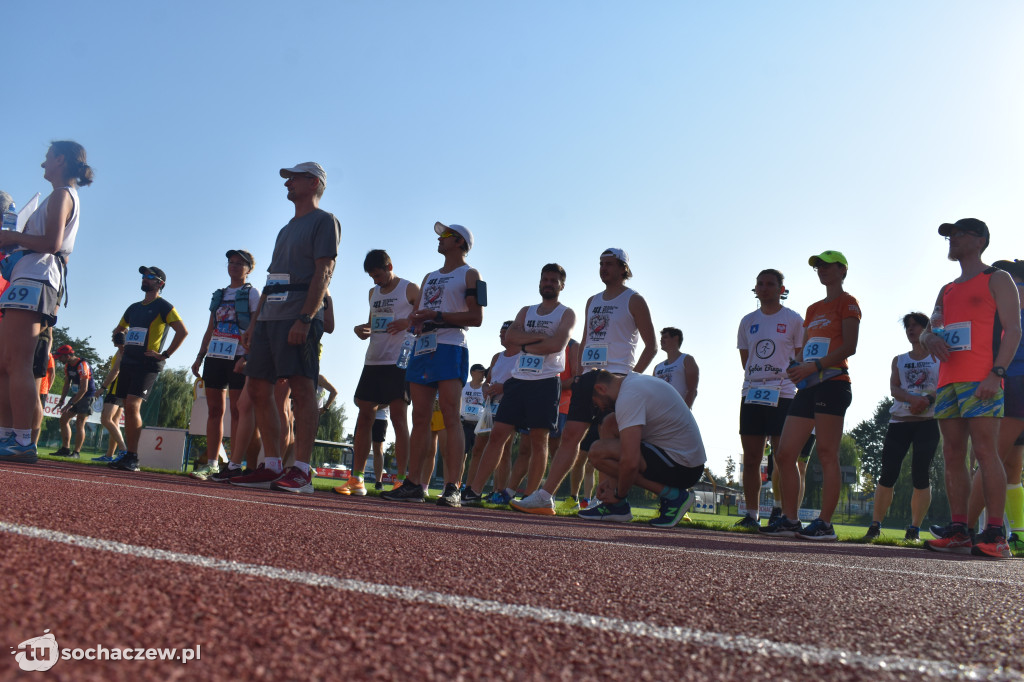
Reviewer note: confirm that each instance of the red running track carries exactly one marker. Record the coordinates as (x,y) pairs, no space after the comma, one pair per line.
(276,586)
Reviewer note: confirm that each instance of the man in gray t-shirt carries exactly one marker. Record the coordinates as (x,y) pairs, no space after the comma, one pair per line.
(284,338)
(650,440)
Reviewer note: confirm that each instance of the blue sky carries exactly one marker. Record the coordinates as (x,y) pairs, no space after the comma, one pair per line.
(709,140)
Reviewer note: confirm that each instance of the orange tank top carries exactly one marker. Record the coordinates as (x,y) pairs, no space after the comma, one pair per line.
(970,307)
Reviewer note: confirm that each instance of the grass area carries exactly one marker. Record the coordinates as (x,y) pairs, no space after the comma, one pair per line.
(716,522)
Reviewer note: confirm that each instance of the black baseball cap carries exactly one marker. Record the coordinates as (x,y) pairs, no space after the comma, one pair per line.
(155,271)
(241,253)
(972,225)
(1015,267)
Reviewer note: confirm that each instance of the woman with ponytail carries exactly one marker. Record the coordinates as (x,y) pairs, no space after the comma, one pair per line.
(36,268)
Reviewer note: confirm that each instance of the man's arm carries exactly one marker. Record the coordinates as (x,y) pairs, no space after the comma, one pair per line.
(629,462)
(692,373)
(179,337)
(541,344)
(642,316)
(1004,291)
(473,316)
(322,271)
(744,355)
(363,331)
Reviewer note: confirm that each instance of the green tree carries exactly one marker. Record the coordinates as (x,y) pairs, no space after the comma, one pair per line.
(332,423)
(83,347)
(170,402)
(869,436)
(730,471)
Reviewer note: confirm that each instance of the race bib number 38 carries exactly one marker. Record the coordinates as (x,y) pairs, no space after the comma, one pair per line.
(816,348)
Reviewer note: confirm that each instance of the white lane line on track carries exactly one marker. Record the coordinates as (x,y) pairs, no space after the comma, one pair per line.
(404,520)
(640,629)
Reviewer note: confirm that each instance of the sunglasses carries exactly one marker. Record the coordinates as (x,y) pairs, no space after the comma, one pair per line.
(148,276)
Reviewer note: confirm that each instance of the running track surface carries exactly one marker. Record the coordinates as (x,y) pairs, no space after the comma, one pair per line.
(276,586)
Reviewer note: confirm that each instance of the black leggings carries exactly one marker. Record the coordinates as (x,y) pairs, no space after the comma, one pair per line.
(924,436)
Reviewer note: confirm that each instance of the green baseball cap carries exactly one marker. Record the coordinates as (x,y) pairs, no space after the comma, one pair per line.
(828,257)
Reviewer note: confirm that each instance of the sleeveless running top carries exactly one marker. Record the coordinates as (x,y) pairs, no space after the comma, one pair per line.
(45,267)
(384,309)
(673,373)
(918,377)
(472,402)
(611,326)
(971,302)
(446,292)
(551,365)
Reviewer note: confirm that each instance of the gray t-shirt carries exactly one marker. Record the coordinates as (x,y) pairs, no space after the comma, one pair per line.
(299,243)
(664,418)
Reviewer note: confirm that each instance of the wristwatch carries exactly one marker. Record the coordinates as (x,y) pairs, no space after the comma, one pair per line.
(999,371)
(306,319)
(166,355)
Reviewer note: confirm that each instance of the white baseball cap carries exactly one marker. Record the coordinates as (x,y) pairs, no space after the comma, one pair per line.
(310,167)
(463,232)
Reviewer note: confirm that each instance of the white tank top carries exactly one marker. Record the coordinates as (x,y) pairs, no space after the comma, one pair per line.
(530,367)
(919,377)
(472,402)
(44,266)
(446,292)
(611,327)
(384,309)
(673,373)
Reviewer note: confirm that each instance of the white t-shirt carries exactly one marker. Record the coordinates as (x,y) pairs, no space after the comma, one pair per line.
(472,402)
(384,309)
(666,421)
(771,342)
(918,377)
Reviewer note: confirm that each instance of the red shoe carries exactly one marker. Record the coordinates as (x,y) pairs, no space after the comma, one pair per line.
(957,542)
(991,544)
(295,480)
(261,478)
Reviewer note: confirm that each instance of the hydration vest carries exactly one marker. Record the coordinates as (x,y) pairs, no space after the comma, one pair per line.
(243,315)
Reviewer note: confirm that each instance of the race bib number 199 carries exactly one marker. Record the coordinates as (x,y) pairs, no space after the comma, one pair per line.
(529,364)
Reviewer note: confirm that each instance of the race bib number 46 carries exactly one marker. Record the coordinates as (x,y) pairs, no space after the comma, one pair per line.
(958,336)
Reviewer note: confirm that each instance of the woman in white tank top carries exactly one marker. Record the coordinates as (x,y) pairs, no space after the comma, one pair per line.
(32,298)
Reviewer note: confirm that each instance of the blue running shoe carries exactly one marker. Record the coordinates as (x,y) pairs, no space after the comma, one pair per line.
(12,451)
(500,497)
(102,458)
(619,512)
(817,529)
(672,510)
(118,455)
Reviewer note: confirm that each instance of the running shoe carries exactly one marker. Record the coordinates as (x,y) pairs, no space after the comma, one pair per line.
(75,454)
(12,451)
(500,497)
(991,543)
(874,530)
(776,513)
(378,486)
(61,451)
(957,541)
(939,531)
(572,504)
(261,478)
(352,487)
(470,496)
(782,527)
(535,504)
(103,458)
(407,492)
(592,503)
(118,455)
(1016,542)
(619,512)
(913,534)
(748,522)
(294,480)
(227,473)
(672,510)
(204,472)
(451,497)
(818,529)
(129,462)
(584,502)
